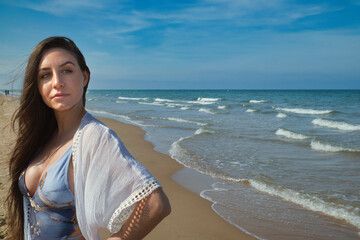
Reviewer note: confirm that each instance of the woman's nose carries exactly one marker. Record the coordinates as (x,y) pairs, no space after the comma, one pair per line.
(57,81)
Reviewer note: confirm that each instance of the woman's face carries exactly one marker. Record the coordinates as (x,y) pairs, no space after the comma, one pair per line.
(60,80)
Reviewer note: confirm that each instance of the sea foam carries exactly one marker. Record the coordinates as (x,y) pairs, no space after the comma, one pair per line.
(136,99)
(182,156)
(288,134)
(334,124)
(206,110)
(223,107)
(208,99)
(313,203)
(281,115)
(109,114)
(128,119)
(304,111)
(163,100)
(251,110)
(203,131)
(176,105)
(310,202)
(319,146)
(185,121)
(204,101)
(257,101)
(152,103)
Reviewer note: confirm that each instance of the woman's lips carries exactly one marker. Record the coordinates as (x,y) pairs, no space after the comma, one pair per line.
(60,95)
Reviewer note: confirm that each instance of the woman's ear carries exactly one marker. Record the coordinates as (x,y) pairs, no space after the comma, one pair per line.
(86,77)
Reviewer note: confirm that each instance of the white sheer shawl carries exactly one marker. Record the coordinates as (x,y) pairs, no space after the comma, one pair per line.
(108,181)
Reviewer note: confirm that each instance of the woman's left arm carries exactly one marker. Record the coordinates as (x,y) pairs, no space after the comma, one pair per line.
(147,214)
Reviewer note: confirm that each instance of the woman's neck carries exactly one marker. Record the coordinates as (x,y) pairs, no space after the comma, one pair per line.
(68,121)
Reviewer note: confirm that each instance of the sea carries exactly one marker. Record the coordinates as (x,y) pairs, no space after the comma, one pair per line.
(278,164)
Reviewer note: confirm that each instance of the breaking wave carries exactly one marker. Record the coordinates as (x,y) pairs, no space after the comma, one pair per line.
(208,99)
(206,110)
(319,146)
(312,203)
(177,105)
(183,103)
(292,135)
(281,115)
(304,111)
(109,114)
(334,124)
(117,116)
(163,100)
(346,213)
(152,103)
(135,99)
(203,131)
(223,107)
(184,121)
(204,101)
(257,101)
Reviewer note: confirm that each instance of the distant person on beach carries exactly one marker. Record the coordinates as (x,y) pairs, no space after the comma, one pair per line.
(70,174)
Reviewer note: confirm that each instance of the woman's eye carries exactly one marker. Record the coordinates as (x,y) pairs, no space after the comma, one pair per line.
(45,75)
(67,71)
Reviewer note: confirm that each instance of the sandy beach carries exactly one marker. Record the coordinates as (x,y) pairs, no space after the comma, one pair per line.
(7,107)
(191,217)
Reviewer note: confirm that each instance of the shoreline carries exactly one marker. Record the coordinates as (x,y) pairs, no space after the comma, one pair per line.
(192,216)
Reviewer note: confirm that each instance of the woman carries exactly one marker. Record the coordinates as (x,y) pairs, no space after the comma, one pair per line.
(70,174)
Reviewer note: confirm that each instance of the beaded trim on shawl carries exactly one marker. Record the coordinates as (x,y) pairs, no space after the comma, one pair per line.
(75,147)
(123,212)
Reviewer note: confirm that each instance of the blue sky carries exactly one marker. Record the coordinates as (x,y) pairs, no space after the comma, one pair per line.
(205,44)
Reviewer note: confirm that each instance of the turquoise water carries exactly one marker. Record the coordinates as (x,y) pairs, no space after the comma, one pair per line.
(285,162)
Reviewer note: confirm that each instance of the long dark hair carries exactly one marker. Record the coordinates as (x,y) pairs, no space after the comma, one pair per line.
(34,123)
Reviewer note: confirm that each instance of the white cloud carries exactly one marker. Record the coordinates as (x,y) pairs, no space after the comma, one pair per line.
(242,12)
(124,24)
(61,7)
(121,22)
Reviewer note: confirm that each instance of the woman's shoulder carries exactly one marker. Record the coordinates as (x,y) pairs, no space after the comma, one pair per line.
(94,127)
(94,136)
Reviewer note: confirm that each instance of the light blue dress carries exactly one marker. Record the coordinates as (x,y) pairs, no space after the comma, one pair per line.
(50,212)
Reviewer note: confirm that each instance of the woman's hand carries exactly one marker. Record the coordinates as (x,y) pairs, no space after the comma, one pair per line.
(147,214)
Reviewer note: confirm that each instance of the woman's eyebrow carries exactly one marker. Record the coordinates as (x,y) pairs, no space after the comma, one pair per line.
(61,65)
(68,62)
